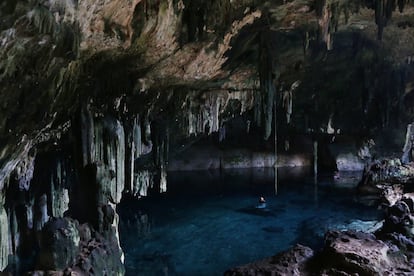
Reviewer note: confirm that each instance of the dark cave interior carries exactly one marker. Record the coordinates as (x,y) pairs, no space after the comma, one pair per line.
(103,102)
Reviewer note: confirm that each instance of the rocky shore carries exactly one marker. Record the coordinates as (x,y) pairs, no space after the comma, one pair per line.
(386,251)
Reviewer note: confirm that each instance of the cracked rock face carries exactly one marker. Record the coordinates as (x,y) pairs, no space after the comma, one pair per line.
(95,95)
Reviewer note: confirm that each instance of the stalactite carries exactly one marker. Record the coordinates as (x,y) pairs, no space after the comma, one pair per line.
(13,230)
(267,86)
(379,17)
(103,144)
(163,178)
(203,114)
(346,13)
(383,12)
(212,107)
(334,20)
(29,213)
(143,181)
(389,8)
(87,134)
(287,103)
(59,194)
(325,25)
(134,148)
(40,212)
(287,100)
(119,161)
(4,235)
(305,42)
(401,4)
(24,171)
(329,128)
(138,144)
(222,133)
(329,11)
(110,154)
(258,108)
(407,150)
(147,136)
(161,151)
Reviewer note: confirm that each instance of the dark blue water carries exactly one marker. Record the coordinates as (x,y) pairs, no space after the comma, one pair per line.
(207,223)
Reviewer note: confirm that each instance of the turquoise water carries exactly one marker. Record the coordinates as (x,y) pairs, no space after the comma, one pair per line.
(207,223)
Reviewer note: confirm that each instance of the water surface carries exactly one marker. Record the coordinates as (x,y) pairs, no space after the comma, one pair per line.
(207,223)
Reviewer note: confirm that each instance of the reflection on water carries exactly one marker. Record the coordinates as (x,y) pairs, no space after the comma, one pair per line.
(207,222)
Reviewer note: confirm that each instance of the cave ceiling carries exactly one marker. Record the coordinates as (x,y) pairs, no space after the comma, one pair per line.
(143,57)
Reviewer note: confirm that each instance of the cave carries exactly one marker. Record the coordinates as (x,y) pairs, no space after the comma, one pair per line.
(181,137)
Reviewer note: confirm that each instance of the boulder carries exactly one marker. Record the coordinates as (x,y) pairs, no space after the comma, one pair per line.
(398,219)
(59,244)
(68,248)
(291,262)
(356,252)
(391,193)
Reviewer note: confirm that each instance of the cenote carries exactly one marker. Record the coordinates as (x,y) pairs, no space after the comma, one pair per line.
(128,109)
(206,222)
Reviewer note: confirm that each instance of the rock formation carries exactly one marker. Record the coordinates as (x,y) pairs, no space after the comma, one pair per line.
(97,94)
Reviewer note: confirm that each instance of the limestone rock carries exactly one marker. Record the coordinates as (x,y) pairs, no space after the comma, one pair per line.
(398,219)
(392,193)
(386,172)
(357,252)
(291,262)
(98,254)
(362,253)
(74,249)
(59,245)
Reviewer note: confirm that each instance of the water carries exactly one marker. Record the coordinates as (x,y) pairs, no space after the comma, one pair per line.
(207,223)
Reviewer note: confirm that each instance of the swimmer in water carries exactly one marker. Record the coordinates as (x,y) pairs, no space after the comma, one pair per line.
(262,203)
